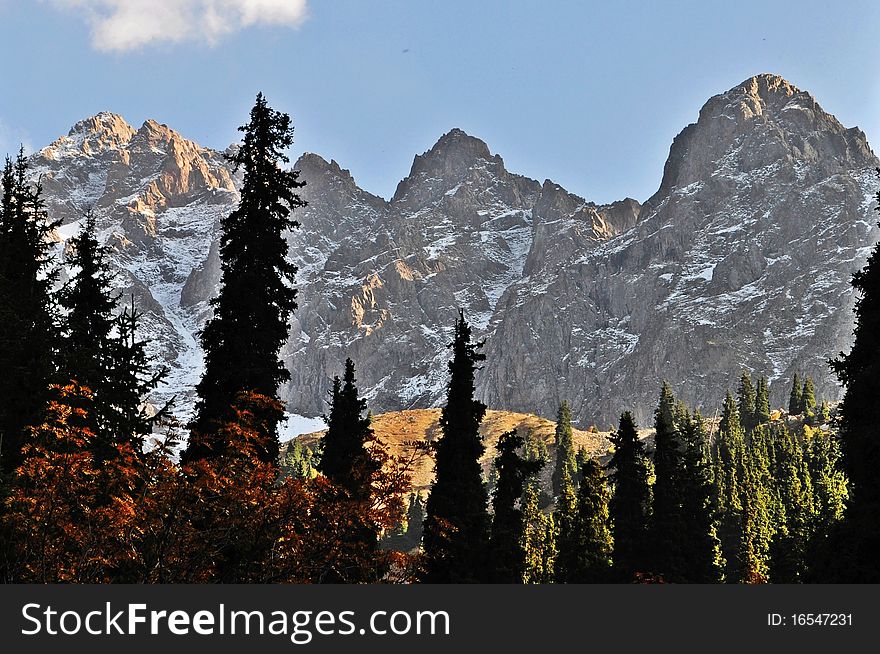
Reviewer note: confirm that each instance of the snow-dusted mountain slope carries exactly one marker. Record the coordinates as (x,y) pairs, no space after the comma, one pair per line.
(740,260)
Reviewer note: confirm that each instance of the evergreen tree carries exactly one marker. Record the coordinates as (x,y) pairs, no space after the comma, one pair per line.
(729,452)
(793,498)
(408,536)
(346,459)
(539,538)
(630,502)
(456,528)
(808,399)
(667,516)
(88,325)
(756,489)
(824,415)
(102,351)
(130,381)
(251,314)
(299,461)
(348,462)
(796,397)
(585,544)
(28,333)
(762,402)
(851,551)
(566,460)
(698,505)
(506,554)
(746,401)
(539,528)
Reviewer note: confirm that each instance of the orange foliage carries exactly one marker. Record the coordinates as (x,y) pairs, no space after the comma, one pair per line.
(141,518)
(67,518)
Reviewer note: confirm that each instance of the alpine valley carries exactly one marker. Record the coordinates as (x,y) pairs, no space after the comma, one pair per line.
(741,260)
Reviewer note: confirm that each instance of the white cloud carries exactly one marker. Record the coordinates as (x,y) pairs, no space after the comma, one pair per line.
(119,25)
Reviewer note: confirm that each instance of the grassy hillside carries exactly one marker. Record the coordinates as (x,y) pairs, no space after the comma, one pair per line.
(402,429)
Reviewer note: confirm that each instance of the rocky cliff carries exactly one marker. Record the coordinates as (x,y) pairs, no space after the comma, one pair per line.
(740,260)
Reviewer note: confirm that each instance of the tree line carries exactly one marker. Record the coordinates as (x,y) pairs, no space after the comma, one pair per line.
(744,498)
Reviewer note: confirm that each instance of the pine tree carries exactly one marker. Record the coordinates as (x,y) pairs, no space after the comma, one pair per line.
(746,397)
(131,379)
(566,459)
(666,527)
(251,314)
(762,402)
(698,505)
(345,459)
(793,498)
(506,554)
(729,452)
(631,499)
(539,538)
(102,351)
(796,397)
(28,333)
(808,399)
(348,462)
(539,528)
(585,545)
(90,303)
(756,488)
(851,551)
(456,528)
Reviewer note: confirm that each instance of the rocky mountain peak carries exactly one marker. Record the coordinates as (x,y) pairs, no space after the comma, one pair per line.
(742,260)
(763,122)
(312,165)
(448,162)
(91,136)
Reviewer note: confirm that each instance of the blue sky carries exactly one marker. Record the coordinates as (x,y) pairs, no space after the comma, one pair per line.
(588,94)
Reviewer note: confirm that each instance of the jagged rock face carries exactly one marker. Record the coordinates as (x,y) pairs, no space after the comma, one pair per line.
(157,198)
(741,260)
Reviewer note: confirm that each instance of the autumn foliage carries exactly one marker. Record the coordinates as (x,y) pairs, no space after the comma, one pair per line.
(141,518)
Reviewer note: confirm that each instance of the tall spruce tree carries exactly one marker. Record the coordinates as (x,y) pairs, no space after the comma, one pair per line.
(252,312)
(762,402)
(796,396)
(456,528)
(348,462)
(808,399)
(666,521)
(630,501)
(104,352)
(506,553)
(346,459)
(539,528)
(28,333)
(585,544)
(746,397)
(90,302)
(698,505)
(132,378)
(566,456)
(850,553)
(729,453)
(792,491)
(539,538)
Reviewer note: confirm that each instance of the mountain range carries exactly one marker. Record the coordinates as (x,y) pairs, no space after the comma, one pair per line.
(740,261)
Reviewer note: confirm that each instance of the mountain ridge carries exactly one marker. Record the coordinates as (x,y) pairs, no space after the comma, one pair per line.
(589,302)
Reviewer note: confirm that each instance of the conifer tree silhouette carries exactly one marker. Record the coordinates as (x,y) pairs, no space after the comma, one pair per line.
(456,529)
(243,339)
(28,331)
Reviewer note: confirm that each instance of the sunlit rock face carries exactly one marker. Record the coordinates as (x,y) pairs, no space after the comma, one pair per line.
(741,260)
